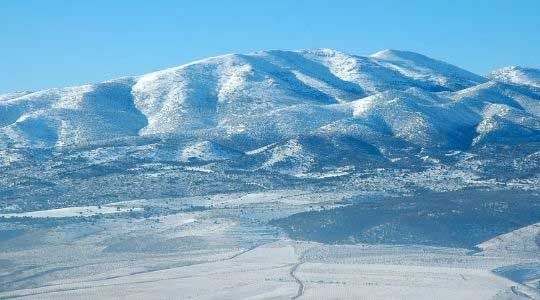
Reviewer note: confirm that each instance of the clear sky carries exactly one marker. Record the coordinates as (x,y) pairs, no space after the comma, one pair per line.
(58,43)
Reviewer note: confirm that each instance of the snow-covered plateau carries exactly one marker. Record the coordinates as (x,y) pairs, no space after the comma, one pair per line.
(310,174)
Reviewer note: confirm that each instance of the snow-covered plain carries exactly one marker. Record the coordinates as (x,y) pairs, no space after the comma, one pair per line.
(309,174)
(225,249)
(290,270)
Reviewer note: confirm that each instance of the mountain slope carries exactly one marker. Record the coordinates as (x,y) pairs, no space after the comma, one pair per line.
(67,116)
(283,112)
(517,75)
(433,72)
(217,92)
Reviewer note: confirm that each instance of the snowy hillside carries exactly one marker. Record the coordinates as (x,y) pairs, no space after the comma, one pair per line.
(221,93)
(309,114)
(525,239)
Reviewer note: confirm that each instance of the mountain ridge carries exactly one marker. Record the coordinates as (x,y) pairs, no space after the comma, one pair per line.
(198,88)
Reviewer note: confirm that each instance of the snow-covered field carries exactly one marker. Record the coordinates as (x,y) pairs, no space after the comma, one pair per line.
(83,211)
(292,270)
(225,249)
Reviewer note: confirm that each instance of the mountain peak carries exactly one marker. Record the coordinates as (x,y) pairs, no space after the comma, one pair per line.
(393,54)
(517,75)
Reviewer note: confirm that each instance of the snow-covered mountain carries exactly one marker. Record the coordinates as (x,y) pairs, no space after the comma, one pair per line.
(282,112)
(222,93)
(275,174)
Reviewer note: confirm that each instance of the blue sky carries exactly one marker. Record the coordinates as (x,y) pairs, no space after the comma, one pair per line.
(58,43)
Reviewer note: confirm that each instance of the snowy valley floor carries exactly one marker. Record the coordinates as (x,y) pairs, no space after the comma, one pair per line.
(222,247)
(283,270)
